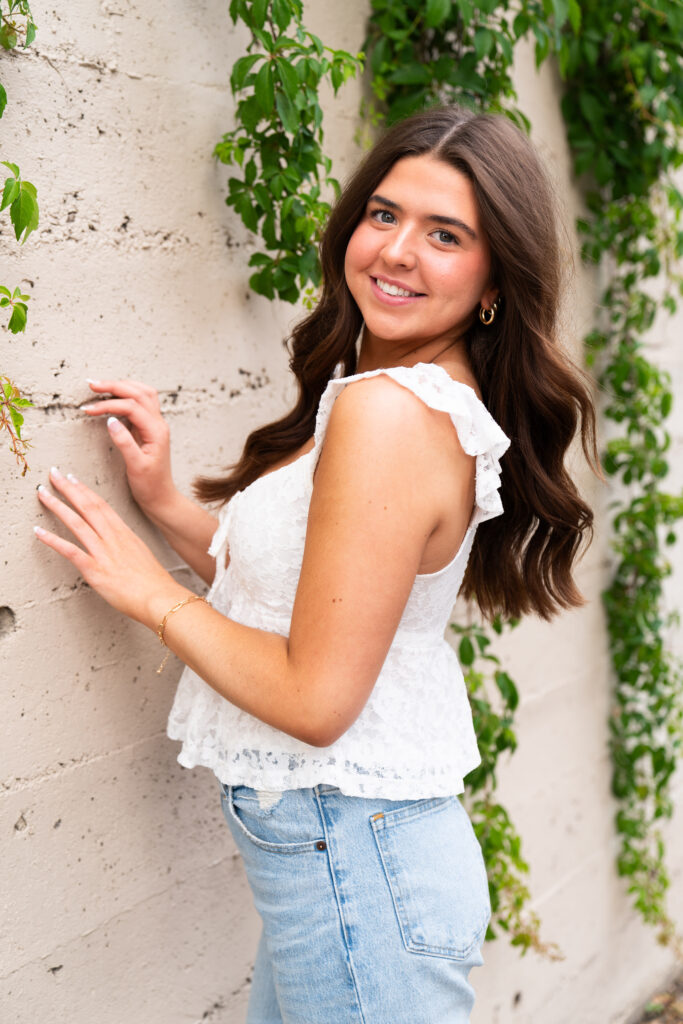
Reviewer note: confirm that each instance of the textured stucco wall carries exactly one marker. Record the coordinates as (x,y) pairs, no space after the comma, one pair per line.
(123,899)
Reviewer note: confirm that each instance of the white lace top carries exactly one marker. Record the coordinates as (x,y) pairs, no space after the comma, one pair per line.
(414,738)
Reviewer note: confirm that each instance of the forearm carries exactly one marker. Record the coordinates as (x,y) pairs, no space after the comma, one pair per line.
(250,667)
(188,528)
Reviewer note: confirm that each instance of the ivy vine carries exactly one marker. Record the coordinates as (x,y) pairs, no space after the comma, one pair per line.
(623,106)
(494,698)
(277,143)
(20,198)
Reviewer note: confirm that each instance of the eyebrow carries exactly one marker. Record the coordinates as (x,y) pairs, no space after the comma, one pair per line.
(435,217)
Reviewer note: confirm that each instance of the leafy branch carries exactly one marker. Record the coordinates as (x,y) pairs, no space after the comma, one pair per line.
(10,29)
(500,842)
(624,111)
(12,419)
(277,143)
(21,199)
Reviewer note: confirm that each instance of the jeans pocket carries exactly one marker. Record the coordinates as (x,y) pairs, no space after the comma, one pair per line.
(436,875)
(272,828)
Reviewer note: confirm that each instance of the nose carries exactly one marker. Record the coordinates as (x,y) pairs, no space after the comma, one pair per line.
(400,248)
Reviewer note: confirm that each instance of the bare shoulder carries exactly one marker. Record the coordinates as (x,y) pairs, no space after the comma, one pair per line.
(382,414)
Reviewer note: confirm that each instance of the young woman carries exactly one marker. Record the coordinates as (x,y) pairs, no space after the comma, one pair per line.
(319,687)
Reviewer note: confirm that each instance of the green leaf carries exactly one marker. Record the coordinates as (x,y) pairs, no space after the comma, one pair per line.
(259,9)
(3,99)
(436,12)
(483,42)
(13,167)
(17,321)
(507,689)
(17,420)
(10,192)
(282,14)
(24,213)
(289,78)
(288,113)
(5,291)
(30,33)
(264,90)
(8,36)
(241,69)
(466,651)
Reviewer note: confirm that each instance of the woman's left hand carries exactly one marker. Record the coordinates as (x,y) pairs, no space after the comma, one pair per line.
(112,560)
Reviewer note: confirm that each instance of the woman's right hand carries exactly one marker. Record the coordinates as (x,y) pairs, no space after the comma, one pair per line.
(145,447)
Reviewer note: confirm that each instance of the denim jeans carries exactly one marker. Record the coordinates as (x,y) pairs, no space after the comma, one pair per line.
(374,911)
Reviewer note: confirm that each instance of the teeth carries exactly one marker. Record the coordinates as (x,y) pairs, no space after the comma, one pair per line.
(392,289)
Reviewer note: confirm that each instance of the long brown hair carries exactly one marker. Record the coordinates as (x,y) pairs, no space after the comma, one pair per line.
(520,561)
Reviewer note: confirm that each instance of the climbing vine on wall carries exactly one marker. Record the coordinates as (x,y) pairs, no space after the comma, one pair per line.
(624,112)
(277,143)
(20,199)
(493,697)
(623,106)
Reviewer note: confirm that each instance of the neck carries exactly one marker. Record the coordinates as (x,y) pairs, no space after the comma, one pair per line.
(376,353)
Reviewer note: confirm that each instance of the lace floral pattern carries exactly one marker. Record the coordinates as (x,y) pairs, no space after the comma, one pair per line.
(414,738)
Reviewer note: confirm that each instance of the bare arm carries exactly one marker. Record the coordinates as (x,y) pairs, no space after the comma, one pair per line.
(188,527)
(376,501)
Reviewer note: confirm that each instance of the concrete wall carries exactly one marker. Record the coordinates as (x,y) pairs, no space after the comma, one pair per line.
(123,898)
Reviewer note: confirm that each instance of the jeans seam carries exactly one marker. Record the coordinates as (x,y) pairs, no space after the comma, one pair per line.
(340,911)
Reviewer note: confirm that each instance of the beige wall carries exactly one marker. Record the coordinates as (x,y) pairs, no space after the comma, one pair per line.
(123,897)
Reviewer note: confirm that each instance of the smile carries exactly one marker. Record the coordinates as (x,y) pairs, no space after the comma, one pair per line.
(394,289)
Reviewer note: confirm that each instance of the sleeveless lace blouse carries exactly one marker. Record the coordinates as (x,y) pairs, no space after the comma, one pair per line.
(414,738)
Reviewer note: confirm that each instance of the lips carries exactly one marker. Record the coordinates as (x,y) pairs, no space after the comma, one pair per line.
(394,289)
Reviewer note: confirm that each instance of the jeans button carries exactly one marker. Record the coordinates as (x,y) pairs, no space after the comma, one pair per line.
(321,845)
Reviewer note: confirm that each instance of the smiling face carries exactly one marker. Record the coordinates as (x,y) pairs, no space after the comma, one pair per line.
(418,264)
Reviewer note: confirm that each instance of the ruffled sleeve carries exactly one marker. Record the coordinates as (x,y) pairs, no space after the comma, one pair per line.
(478,432)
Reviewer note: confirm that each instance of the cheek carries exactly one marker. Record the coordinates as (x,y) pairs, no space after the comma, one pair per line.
(360,251)
(466,280)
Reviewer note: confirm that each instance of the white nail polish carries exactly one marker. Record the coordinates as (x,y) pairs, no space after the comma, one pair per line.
(42,490)
(55,473)
(89,380)
(113,424)
(87,408)
(39,531)
(72,478)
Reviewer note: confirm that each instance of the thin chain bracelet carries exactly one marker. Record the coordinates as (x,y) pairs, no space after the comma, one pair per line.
(162,625)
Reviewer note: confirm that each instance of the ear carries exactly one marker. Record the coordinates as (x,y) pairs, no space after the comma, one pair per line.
(489,297)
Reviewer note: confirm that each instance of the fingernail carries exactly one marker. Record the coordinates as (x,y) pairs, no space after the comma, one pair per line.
(87,408)
(89,380)
(72,478)
(113,424)
(39,531)
(55,473)
(42,490)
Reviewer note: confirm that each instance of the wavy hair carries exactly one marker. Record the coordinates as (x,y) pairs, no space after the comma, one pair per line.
(521,561)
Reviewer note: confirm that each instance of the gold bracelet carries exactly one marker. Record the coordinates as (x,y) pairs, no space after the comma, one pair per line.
(162,625)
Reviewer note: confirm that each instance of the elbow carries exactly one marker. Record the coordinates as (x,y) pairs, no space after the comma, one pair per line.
(322,733)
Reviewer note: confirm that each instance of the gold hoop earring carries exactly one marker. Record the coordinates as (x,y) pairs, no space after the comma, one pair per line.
(487,316)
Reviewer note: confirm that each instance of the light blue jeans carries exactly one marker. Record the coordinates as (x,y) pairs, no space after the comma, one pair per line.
(374,911)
